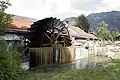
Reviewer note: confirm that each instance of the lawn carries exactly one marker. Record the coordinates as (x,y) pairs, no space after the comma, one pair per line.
(100,72)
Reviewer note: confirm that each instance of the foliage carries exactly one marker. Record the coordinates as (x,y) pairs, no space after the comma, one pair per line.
(9,61)
(2,43)
(4,5)
(10,67)
(82,23)
(114,34)
(5,19)
(103,32)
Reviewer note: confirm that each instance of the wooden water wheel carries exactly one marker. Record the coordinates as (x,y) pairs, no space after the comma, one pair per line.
(48,32)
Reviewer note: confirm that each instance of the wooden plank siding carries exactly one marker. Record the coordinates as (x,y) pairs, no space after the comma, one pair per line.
(67,54)
(46,56)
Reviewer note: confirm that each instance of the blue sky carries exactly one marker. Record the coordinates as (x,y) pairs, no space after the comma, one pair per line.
(62,9)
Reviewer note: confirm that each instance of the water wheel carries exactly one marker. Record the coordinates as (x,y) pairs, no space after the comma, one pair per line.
(48,32)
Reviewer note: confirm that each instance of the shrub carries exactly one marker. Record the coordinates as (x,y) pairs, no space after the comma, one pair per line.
(10,67)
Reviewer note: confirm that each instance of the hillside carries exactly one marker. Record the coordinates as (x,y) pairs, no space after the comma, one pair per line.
(111,18)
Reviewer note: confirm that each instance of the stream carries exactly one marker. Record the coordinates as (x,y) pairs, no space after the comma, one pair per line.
(89,62)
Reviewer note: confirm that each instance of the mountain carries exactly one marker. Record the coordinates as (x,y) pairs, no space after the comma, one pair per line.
(71,20)
(111,18)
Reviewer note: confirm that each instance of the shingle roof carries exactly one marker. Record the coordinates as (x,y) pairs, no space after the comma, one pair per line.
(20,22)
(77,32)
(23,23)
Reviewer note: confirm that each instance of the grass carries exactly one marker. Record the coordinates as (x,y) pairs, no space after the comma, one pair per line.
(100,72)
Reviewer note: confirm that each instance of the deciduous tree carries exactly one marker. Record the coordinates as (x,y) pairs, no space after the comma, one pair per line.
(114,34)
(103,32)
(5,19)
(9,65)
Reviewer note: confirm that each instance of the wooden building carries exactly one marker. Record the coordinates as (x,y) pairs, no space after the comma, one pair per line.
(15,31)
(44,55)
(84,43)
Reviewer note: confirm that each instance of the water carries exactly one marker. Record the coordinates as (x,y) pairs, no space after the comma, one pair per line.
(85,63)
(25,65)
(79,64)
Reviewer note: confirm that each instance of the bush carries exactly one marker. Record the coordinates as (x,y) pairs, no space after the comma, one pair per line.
(9,67)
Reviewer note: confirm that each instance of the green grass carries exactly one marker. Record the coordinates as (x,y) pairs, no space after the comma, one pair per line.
(111,72)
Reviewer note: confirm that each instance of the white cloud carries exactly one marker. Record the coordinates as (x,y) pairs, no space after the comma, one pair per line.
(60,8)
(111,5)
(86,4)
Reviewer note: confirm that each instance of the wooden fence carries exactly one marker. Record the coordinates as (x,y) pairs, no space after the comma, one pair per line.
(45,56)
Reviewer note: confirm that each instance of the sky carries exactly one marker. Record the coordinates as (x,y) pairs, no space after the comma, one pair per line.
(62,9)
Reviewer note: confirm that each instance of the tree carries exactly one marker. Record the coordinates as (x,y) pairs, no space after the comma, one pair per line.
(9,65)
(5,19)
(103,32)
(114,34)
(82,22)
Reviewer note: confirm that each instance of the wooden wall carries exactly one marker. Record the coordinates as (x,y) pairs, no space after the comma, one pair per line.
(45,56)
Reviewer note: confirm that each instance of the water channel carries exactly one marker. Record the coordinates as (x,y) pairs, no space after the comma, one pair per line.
(89,62)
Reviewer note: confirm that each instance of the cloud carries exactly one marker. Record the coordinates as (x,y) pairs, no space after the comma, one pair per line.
(86,5)
(60,8)
(111,5)
(39,8)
